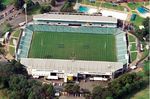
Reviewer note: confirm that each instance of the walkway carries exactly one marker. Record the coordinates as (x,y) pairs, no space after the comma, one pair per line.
(139,55)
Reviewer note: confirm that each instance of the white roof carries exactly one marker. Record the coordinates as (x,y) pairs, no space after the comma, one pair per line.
(72,66)
(79,18)
(115,14)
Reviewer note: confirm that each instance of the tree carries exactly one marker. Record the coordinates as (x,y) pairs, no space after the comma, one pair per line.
(97,92)
(72,88)
(45,9)
(68,88)
(2,6)
(19,3)
(76,89)
(143,32)
(146,68)
(53,2)
(49,90)
(30,4)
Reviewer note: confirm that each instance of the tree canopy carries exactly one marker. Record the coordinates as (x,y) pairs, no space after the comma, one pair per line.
(19,3)
(2,6)
(14,78)
(143,33)
(120,87)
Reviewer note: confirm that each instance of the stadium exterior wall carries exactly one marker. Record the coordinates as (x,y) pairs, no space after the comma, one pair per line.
(44,67)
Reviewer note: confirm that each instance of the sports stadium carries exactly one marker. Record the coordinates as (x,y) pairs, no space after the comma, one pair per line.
(58,45)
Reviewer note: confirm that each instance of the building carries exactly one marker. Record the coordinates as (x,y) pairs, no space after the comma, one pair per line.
(64,68)
(75,20)
(59,68)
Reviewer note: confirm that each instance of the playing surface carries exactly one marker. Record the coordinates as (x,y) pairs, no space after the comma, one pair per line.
(78,46)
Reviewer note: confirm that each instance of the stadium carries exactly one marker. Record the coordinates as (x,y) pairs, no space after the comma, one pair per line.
(59,46)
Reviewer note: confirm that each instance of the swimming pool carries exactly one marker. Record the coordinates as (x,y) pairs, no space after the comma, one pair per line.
(85,9)
(142,10)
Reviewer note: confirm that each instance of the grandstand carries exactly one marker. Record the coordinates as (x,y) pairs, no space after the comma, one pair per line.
(53,24)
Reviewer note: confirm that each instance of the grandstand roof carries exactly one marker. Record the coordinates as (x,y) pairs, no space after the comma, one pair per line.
(72,66)
(79,18)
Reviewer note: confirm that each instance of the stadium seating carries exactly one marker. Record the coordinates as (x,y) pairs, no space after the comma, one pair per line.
(96,30)
(121,47)
(24,44)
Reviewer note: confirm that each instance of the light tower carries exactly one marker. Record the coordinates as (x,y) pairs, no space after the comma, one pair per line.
(25,7)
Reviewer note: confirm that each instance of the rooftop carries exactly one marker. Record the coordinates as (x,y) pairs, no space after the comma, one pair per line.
(72,66)
(74,17)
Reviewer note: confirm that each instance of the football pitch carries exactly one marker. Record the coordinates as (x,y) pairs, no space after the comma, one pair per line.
(75,46)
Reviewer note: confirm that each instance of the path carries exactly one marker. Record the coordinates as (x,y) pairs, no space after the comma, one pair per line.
(139,55)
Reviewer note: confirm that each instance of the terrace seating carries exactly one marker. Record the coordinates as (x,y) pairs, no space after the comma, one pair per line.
(82,29)
(24,44)
(121,46)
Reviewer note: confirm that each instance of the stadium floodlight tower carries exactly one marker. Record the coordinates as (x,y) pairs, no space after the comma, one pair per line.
(25,7)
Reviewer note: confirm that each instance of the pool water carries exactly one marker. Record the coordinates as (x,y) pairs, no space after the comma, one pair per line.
(142,10)
(88,10)
(83,9)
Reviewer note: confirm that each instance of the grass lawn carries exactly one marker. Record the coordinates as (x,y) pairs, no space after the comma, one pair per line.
(11,42)
(146,65)
(131,38)
(133,56)
(73,46)
(104,4)
(143,94)
(133,47)
(16,33)
(11,50)
(97,3)
(110,6)
(137,4)
(5,27)
(7,2)
(138,20)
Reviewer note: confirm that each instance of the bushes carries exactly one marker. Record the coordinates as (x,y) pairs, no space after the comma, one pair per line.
(2,6)
(72,88)
(19,3)
(68,7)
(45,9)
(120,87)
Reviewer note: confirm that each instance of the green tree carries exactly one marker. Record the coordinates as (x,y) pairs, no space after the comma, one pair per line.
(76,88)
(146,67)
(49,90)
(2,7)
(30,4)
(53,2)
(19,3)
(97,92)
(68,88)
(45,9)
(145,31)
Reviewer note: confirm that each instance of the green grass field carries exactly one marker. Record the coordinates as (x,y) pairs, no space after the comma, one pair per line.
(133,56)
(137,4)
(79,46)
(143,94)
(131,38)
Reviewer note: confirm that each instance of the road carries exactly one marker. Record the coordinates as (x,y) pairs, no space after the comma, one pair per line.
(14,18)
